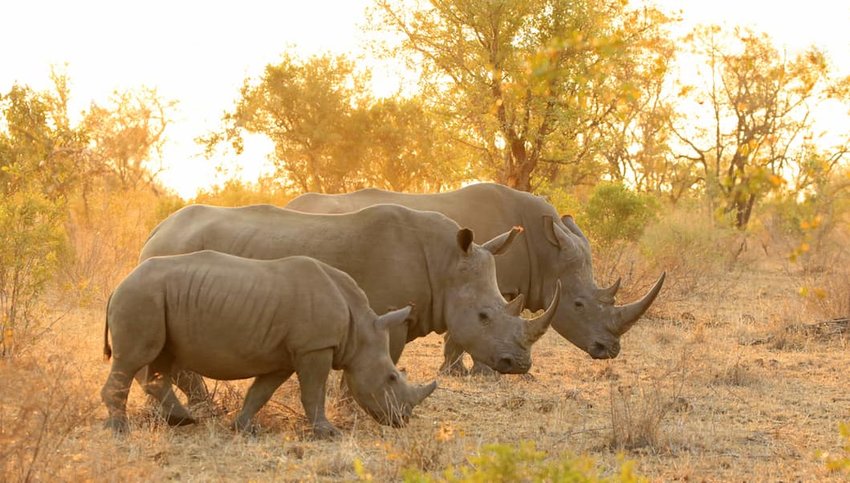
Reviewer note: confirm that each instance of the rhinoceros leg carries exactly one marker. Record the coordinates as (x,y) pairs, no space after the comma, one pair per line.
(313,369)
(452,358)
(114,395)
(193,386)
(258,395)
(158,385)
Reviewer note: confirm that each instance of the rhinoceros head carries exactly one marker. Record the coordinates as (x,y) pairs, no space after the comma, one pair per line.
(479,319)
(375,382)
(587,316)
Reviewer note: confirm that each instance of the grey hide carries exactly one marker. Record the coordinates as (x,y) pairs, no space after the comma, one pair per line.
(553,249)
(227,317)
(397,255)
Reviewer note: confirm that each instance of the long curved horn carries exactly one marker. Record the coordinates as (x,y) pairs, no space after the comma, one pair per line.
(498,245)
(423,391)
(537,326)
(515,306)
(627,315)
(607,294)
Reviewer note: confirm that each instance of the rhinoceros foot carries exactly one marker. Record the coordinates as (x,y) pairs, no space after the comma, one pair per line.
(325,430)
(179,420)
(245,427)
(118,424)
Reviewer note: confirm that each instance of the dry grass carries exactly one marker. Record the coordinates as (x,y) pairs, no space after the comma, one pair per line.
(704,389)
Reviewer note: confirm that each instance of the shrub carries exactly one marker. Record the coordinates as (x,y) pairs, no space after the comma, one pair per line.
(239,193)
(31,239)
(107,229)
(615,213)
(524,462)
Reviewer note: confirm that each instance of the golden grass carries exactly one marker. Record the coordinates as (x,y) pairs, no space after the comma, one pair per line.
(703,390)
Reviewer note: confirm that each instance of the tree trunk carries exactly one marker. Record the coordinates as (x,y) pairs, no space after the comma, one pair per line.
(518,167)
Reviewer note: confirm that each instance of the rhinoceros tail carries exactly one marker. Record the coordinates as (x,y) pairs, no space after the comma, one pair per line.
(107,350)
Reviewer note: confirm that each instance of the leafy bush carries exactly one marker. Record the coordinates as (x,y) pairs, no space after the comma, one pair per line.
(615,213)
(565,201)
(506,463)
(31,239)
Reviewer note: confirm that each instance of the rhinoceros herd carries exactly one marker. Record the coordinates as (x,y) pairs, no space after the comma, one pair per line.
(265,292)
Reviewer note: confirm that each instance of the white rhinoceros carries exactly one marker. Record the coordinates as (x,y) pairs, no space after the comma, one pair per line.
(554,249)
(227,317)
(397,256)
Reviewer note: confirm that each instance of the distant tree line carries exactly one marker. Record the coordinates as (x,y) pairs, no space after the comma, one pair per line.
(538,93)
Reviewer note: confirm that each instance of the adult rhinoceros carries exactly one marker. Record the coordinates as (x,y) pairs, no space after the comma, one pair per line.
(397,256)
(228,317)
(554,249)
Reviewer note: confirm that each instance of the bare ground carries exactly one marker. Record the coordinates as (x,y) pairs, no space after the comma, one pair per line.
(715,387)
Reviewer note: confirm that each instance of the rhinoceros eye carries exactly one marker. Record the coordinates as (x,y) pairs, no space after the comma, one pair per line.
(483,318)
(393,377)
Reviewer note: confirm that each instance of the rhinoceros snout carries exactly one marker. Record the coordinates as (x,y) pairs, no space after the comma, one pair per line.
(508,364)
(603,351)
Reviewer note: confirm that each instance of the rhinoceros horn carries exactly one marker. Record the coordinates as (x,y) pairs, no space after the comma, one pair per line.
(607,294)
(423,391)
(627,315)
(537,326)
(498,245)
(516,305)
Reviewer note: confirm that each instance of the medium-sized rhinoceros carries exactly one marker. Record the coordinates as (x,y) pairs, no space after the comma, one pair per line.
(553,249)
(227,317)
(395,254)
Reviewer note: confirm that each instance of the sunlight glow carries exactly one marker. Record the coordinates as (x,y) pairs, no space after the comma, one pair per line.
(199,53)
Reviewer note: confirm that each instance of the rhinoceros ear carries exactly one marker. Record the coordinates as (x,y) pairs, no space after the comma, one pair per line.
(393,318)
(464,239)
(499,244)
(549,230)
(570,223)
(556,235)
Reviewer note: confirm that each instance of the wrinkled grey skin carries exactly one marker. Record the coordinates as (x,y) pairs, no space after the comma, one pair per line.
(227,317)
(553,248)
(398,256)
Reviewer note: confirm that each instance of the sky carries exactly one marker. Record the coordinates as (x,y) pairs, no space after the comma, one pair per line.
(200,52)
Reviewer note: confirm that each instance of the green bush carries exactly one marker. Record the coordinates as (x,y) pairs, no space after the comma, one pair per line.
(31,238)
(565,201)
(615,213)
(506,463)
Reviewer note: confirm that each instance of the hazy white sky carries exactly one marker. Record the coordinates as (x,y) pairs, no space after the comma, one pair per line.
(199,52)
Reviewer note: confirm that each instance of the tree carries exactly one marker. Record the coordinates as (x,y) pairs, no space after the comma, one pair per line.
(405,148)
(310,111)
(38,154)
(756,109)
(525,83)
(126,135)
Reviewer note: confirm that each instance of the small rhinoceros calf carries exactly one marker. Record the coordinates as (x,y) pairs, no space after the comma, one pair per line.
(227,317)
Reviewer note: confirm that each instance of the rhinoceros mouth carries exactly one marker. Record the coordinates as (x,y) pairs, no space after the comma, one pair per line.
(598,350)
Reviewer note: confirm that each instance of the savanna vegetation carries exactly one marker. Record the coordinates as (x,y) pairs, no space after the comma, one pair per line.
(703,156)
